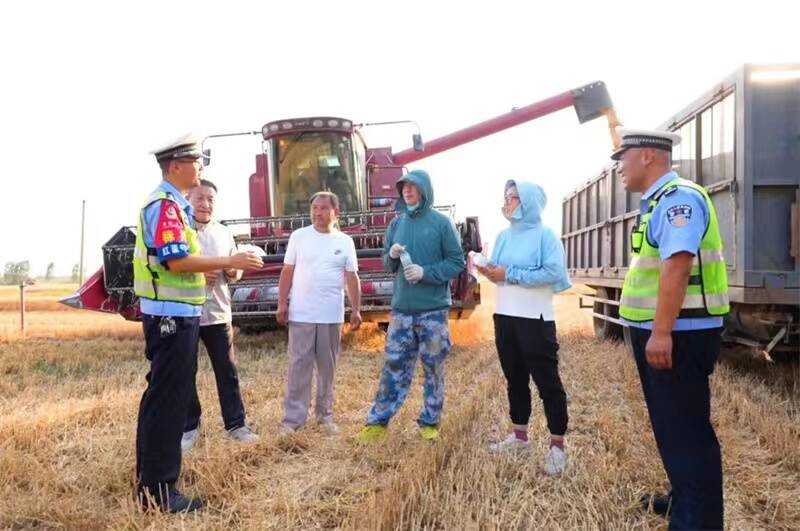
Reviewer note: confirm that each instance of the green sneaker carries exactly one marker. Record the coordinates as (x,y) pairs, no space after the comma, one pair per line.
(429,433)
(371,433)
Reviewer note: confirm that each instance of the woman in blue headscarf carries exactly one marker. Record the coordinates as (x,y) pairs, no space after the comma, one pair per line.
(527,265)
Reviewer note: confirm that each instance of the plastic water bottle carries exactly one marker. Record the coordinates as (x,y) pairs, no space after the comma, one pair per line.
(405,259)
(478,259)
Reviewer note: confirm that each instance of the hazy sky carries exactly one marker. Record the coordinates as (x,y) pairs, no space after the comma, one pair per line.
(89,88)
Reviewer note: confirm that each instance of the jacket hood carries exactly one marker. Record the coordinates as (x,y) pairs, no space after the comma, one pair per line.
(532,202)
(422,181)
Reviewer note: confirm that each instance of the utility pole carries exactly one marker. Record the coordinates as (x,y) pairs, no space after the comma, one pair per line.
(22,307)
(83,229)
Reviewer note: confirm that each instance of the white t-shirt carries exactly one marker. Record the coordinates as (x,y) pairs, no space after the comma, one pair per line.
(216,240)
(320,260)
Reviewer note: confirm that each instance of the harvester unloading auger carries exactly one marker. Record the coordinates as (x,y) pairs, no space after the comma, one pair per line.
(302,156)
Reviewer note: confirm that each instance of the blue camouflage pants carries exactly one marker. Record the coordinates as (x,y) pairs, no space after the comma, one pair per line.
(424,335)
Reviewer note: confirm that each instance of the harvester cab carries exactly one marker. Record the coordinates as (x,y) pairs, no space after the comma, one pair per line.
(310,155)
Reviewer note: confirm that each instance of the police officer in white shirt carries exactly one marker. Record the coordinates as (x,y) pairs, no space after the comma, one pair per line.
(215,323)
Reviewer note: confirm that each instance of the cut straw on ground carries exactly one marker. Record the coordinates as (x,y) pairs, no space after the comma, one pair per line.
(68,402)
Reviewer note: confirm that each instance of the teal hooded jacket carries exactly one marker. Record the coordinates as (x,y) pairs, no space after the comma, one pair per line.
(530,251)
(431,240)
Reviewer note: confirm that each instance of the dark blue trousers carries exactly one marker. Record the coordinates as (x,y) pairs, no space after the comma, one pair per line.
(679,403)
(171,349)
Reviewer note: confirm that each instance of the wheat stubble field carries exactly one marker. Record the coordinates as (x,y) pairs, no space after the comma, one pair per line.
(70,390)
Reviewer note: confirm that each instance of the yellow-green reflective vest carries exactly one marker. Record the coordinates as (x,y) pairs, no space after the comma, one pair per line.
(152,280)
(707,292)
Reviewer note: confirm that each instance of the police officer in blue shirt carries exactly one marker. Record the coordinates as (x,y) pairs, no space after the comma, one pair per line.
(166,263)
(673,300)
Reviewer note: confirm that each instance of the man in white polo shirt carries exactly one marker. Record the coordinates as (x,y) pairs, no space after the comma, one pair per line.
(216,331)
(320,261)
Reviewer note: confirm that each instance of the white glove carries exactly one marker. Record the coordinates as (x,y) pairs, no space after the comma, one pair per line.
(395,250)
(413,273)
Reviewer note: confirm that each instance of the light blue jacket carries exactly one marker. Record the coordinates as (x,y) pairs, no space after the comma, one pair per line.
(530,251)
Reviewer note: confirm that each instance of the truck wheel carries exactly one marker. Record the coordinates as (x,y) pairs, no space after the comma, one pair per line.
(605,329)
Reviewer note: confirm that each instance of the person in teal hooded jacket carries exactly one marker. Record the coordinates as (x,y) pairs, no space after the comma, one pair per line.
(527,264)
(424,251)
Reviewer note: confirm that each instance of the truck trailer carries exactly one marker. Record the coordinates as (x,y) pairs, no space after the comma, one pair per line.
(741,141)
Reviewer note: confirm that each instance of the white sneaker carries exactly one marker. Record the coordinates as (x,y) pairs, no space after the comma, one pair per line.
(329,428)
(243,434)
(555,462)
(512,443)
(189,439)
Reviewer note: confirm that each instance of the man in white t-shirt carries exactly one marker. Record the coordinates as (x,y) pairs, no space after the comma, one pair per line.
(320,262)
(216,331)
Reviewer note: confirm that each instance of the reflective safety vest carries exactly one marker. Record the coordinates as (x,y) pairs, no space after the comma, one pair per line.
(151,279)
(707,291)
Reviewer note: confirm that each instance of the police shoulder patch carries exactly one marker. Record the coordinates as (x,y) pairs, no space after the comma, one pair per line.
(679,215)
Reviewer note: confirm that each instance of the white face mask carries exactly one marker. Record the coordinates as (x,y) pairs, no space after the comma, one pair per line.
(516,215)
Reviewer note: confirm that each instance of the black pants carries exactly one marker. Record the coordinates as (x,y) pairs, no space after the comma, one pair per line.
(528,348)
(679,403)
(171,349)
(218,340)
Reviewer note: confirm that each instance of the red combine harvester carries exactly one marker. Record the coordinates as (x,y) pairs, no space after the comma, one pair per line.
(305,155)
